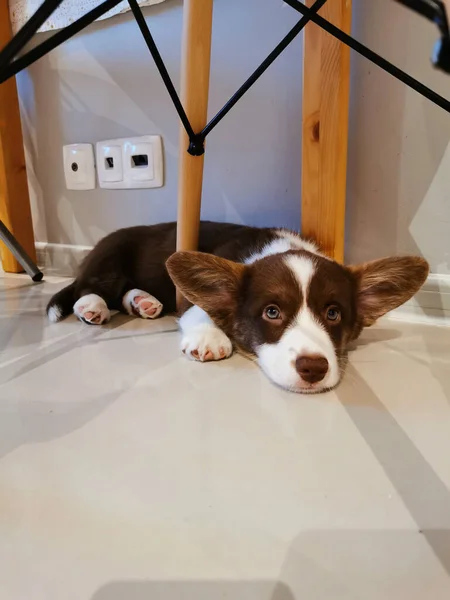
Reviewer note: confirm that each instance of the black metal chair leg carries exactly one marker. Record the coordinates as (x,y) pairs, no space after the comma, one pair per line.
(19,253)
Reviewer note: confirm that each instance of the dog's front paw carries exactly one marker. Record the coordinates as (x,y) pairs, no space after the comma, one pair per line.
(205,344)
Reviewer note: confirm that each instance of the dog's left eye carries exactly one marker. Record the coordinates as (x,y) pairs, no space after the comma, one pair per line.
(272,312)
(333,314)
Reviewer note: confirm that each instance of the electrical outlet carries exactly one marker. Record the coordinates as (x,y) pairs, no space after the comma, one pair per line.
(130,163)
(109,163)
(79,167)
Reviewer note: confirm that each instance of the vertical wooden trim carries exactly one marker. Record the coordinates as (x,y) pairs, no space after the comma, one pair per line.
(195,68)
(15,209)
(326,84)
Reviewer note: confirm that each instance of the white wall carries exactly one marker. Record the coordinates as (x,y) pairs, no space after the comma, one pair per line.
(399,155)
(103,84)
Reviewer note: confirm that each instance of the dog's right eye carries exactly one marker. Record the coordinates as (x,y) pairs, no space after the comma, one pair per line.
(272,313)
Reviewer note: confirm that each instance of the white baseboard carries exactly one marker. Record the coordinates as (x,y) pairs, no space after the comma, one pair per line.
(431,305)
(60,259)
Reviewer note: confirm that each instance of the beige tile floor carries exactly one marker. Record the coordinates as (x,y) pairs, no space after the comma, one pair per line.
(130,473)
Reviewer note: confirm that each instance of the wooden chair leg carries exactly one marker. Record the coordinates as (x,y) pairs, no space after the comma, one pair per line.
(326,84)
(195,68)
(15,209)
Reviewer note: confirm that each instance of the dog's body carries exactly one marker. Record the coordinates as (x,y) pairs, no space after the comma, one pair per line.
(266,292)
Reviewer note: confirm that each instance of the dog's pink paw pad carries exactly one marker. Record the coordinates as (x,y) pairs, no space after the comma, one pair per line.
(142,304)
(92,309)
(148,307)
(93,317)
(208,355)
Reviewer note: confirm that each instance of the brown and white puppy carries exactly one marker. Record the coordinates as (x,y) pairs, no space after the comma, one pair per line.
(264,292)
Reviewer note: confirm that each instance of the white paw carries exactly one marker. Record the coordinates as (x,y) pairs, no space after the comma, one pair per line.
(206,343)
(92,309)
(141,304)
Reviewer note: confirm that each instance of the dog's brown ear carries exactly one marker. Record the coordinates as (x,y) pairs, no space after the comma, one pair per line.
(387,283)
(207,281)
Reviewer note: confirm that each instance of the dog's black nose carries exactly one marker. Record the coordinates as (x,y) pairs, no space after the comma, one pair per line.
(312,368)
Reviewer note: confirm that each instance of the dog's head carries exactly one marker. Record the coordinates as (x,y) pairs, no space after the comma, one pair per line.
(297,311)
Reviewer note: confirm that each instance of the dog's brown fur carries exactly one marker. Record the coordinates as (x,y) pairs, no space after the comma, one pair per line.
(135,257)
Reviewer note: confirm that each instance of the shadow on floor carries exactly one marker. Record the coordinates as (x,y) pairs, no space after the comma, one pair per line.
(423,492)
(338,564)
(194,590)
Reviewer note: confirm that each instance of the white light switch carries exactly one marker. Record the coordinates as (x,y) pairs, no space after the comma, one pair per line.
(79,167)
(129,163)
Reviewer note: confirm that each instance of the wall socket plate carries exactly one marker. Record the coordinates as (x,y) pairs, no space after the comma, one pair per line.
(79,166)
(130,163)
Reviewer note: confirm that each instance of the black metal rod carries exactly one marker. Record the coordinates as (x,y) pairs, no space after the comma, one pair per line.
(261,69)
(372,56)
(434,10)
(161,68)
(57,39)
(24,35)
(19,253)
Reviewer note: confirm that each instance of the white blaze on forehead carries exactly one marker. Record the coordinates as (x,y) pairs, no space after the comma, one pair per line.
(303,268)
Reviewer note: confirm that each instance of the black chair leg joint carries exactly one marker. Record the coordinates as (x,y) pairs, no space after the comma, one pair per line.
(196,146)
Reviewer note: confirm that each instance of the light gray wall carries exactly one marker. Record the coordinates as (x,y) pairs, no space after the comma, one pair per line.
(399,155)
(103,84)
